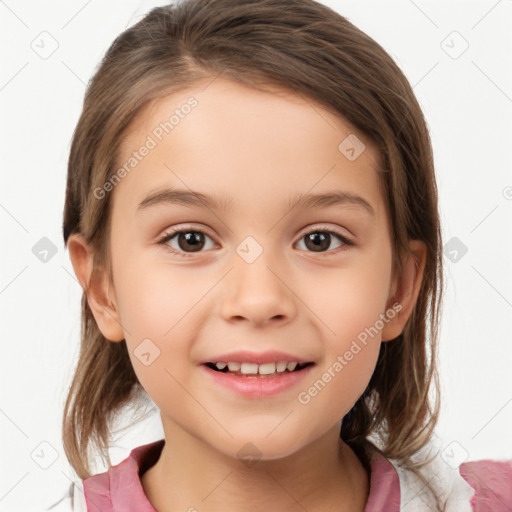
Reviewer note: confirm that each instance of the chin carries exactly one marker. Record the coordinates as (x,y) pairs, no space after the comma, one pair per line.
(250,449)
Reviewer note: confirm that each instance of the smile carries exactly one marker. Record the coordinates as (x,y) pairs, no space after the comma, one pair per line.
(256,381)
(253,369)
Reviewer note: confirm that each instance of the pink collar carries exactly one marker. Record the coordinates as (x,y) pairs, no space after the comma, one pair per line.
(120,487)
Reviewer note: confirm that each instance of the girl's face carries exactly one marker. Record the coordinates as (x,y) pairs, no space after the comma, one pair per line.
(250,272)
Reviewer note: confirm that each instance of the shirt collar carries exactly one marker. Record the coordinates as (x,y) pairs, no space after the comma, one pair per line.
(126,491)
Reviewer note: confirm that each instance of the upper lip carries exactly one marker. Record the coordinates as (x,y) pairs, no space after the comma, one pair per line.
(244,356)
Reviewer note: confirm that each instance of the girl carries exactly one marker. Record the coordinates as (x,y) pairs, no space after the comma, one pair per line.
(251,210)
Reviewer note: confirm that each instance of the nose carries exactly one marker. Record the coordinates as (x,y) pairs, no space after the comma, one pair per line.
(257,292)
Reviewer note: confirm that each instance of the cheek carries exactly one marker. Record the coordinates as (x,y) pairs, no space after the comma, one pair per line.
(350,300)
(351,329)
(350,304)
(157,305)
(337,386)
(154,298)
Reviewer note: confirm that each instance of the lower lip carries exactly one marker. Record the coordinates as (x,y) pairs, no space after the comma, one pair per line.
(258,387)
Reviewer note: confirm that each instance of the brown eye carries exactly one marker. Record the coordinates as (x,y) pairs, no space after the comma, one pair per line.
(320,241)
(190,240)
(186,241)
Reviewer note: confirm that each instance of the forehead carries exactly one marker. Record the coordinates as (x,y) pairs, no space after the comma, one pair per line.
(233,138)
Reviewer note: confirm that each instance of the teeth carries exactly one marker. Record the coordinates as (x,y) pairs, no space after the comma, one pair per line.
(291,366)
(249,368)
(266,369)
(281,366)
(255,369)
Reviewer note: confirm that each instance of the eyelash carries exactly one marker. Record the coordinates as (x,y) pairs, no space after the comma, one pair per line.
(318,229)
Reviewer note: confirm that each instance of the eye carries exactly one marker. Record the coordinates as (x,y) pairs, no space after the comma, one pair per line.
(185,241)
(321,239)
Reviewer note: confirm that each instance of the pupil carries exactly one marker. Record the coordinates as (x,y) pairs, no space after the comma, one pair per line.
(319,241)
(194,240)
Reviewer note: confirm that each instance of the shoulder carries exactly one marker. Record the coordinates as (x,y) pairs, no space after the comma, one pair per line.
(492,483)
(474,486)
(120,487)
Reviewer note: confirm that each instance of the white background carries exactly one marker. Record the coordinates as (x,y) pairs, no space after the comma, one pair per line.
(468,105)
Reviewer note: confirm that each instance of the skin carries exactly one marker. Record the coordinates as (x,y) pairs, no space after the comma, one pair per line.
(257,148)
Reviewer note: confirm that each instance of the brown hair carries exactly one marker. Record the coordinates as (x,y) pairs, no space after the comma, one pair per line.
(307,48)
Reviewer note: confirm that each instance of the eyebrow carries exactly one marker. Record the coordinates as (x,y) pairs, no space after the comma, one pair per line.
(301,200)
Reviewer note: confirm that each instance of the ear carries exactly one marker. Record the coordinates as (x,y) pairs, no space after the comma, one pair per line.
(405,289)
(96,286)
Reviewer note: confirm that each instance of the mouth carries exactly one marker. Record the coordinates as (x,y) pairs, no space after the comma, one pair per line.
(253,370)
(251,380)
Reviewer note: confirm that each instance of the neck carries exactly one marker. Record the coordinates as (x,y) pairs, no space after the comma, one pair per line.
(324,476)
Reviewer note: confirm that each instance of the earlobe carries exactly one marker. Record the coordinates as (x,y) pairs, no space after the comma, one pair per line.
(95,284)
(406,289)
